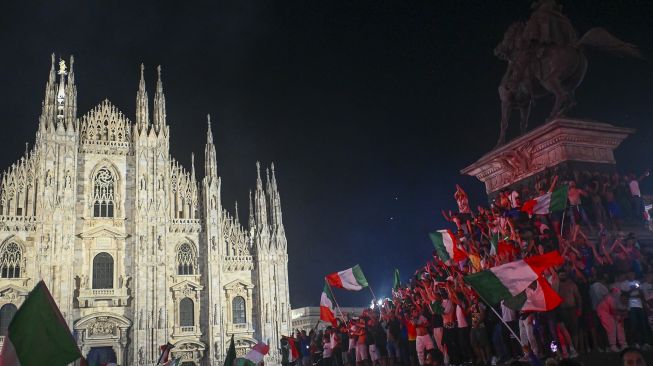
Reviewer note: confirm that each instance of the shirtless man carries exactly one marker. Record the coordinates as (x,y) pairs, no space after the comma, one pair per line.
(424,342)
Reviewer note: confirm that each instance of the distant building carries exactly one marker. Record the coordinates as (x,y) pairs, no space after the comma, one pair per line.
(136,250)
(306,318)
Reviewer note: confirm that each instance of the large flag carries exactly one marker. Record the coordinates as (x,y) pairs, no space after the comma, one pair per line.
(446,246)
(508,280)
(547,203)
(38,334)
(349,279)
(293,352)
(326,306)
(254,356)
(165,353)
(396,280)
(539,296)
(231,353)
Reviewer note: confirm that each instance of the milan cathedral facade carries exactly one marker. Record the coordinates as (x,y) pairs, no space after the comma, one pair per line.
(135,250)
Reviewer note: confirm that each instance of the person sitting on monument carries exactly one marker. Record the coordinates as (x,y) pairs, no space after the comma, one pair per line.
(638,203)
(574,195)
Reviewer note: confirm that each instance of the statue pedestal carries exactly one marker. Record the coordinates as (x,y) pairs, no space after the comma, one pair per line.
(569,143)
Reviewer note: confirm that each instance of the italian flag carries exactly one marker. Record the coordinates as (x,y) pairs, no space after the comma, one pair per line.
(38,334)
(326,306)
(539,296)
(510,279)
(446,246)
(231,353)
(350,279)
(547,203)
(293,352)
(165,353)
(254,356)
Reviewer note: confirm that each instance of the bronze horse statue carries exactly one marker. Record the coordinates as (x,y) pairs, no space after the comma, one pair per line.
(535,71)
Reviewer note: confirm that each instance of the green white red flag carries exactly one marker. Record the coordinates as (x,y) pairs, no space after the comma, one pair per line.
(38,334)
(539,296)
(446,246)
(547,203)
(254,356)
(510,279)
(327,301)
(231,353)
(293,352)
(351,279)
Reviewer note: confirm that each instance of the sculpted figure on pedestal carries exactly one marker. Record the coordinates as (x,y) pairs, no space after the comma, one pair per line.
(545,57)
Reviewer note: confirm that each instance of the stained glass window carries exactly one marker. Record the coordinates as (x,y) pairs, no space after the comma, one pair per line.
(11,257)
(103,193)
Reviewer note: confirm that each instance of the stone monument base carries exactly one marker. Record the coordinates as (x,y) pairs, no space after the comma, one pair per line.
(562,144)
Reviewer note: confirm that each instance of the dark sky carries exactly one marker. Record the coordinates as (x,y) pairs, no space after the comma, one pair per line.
(368,108)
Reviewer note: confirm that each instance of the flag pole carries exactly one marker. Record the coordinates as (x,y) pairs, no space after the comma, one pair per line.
(372,292)
(336,301)
(501,319)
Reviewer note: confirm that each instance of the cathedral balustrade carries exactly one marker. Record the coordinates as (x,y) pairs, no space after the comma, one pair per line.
(233,263)
(113,297)
(185,226)
(105,147)
(189,329)
(18,223)
(116,222)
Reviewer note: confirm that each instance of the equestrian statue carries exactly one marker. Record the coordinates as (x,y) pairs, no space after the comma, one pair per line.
(545,56)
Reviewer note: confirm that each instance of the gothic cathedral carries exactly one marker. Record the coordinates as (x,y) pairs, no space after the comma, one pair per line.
(134,249)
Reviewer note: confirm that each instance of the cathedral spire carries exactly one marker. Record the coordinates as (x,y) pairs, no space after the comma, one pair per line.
(61,91)
(192,166)
(159,115)
(251,211)
(209,133)
(260,204)
(71,98)
(236,218)
(142,101)
(48,108)
(275,201)
(210,160)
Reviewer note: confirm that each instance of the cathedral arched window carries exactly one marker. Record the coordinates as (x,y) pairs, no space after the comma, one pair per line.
(186,259)
(11,259)
(238,313)
(103,271)
(104,193)
(7,313)
(186,313)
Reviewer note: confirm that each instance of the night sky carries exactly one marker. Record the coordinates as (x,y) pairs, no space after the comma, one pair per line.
(369,109)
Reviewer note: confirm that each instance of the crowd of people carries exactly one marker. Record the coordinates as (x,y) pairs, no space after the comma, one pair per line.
(610,199)
(436,318)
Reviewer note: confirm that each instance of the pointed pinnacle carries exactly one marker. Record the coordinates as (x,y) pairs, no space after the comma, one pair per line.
(142,74)
(258,170)
(209,133)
